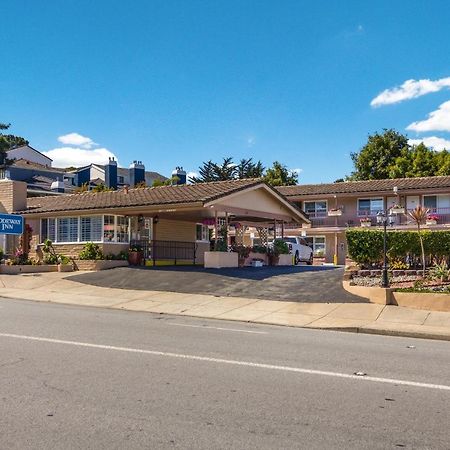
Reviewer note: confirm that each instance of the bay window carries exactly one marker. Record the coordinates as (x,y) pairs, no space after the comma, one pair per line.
(106,228)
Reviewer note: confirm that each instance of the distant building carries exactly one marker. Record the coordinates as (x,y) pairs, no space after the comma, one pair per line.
(34,168)
(29,153)
(115,177)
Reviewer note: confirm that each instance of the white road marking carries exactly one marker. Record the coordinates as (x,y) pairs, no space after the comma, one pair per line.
(442,387)
(216,328)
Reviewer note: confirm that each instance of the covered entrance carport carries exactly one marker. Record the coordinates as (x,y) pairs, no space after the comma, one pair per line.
(172,223)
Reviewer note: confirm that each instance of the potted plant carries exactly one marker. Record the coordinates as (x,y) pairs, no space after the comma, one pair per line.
(278,247)
(335,211)
(366,222)
(135,255)
(243,253)
(432,219)
(397,209)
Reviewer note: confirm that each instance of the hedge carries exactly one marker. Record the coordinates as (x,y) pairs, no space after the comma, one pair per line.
(366,246)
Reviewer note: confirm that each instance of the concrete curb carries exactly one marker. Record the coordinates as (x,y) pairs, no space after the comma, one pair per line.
(357,330)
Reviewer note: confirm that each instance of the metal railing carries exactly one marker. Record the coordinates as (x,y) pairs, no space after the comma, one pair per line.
(167,250)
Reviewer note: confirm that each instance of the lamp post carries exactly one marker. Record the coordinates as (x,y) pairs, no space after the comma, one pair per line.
(384,219)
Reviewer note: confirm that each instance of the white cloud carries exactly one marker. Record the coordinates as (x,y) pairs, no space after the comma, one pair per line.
(251,141)
(438,120)
(408,90)
(78,157)
(192,175)
(435,142)
(77,139)
(297,171)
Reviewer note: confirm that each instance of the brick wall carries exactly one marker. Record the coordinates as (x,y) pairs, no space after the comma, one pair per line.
(13,196)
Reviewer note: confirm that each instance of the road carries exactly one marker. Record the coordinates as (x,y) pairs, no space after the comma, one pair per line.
(74,377)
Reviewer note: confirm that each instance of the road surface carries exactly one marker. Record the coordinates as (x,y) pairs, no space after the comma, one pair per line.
(74,377)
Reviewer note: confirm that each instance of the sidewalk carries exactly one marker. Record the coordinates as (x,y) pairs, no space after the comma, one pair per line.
(356,317)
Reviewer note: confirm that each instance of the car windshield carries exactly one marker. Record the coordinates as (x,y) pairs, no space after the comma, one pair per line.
(290,239)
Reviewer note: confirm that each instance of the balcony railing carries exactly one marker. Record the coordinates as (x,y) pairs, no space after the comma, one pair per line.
(320,219)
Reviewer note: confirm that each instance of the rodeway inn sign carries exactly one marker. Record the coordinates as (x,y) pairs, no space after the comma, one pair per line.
(11,224)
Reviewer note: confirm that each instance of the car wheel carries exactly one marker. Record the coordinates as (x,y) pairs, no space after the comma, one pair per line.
(310,260)
(296,259)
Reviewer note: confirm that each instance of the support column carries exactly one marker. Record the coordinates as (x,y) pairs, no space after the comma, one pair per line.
(335,258)
(216,230)
(274,229)
(282,229)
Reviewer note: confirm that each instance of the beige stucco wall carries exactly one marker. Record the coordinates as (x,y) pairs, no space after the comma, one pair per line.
(258,200)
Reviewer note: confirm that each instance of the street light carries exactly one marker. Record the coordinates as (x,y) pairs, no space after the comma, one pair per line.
(384,219)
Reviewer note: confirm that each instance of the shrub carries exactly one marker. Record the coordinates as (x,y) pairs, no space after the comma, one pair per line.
(259,249)
(366,246)
(91,251)
(280,247)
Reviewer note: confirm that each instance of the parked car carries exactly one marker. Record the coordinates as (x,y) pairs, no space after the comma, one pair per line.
(300,249)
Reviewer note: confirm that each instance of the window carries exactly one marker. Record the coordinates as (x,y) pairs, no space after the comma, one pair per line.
(316,208)
(48,230)
(91,229)
(120,179)
(68,229)
(430,202)
(108,229)
(370,206)
(317,243)
(202,232)
(122,229)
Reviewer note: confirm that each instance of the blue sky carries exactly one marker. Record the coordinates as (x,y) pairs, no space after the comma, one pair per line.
(177,83)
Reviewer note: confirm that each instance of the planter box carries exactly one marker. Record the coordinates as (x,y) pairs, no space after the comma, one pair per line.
(431,222)
(366,224)
(218,260)
(14,270)
(336,212)
(398,210)
(286,260)
(65,267)
(99,265)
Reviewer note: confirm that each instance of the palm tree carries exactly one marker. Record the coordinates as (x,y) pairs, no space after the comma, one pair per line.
(419,215)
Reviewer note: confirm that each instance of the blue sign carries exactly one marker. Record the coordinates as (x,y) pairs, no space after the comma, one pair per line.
(11,224)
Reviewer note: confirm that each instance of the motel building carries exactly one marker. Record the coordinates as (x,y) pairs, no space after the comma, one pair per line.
(172,224)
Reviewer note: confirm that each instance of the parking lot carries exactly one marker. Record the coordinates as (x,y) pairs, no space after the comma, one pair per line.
(299,283)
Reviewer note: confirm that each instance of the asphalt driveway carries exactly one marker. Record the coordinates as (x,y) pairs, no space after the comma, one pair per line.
(300,283)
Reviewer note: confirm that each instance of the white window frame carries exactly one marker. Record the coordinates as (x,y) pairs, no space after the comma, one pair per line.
(315,209)
(205,233)
(101,241)
(371,213)
(314,243)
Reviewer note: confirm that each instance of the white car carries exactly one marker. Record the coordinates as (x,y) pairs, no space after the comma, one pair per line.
(300,249)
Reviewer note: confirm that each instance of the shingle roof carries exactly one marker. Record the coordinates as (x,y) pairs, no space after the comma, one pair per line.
(33,165)
(356,187)
(163,195)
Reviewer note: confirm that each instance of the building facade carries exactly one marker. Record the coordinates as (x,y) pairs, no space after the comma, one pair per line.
(334,207)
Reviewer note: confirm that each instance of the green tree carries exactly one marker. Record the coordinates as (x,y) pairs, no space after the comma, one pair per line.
(279,175)
(7,142)
(101,188)
(378,157)
(248,169)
